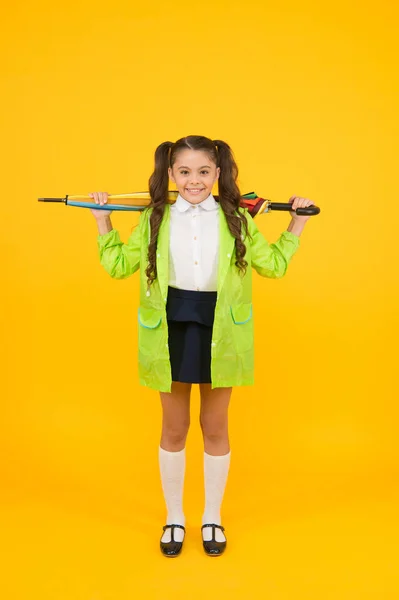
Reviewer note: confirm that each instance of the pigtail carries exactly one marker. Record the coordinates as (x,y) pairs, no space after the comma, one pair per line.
(158,187)
(230,199)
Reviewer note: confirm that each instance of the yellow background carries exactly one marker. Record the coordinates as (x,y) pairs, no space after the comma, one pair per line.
(306,94)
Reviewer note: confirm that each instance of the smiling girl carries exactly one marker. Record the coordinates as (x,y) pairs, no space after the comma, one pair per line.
(195,321)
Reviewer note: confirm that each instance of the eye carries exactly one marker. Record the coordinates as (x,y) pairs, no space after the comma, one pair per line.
(183,172)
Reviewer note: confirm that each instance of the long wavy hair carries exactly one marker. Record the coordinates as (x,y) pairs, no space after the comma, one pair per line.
(229,195)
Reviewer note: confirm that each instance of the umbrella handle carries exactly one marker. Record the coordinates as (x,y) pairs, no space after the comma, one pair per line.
(307,211)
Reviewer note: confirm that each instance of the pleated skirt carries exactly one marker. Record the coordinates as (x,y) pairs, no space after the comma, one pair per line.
(190,316)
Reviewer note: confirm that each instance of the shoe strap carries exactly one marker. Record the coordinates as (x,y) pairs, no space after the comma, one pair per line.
(172,526)
(213,525)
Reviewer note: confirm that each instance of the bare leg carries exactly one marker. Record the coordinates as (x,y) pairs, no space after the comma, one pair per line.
(175,416)
(214,418)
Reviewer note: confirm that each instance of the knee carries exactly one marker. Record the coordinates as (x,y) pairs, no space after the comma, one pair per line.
(214,430)
(175,434)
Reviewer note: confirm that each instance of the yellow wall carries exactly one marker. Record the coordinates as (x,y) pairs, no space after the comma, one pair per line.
(307,95)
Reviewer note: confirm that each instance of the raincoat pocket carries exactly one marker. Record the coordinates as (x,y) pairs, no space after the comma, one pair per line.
(241,313)
(150,318)
(151,334)
(242,327)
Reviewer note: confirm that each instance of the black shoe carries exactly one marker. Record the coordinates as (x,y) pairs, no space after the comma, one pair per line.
(172,548)
(212,547)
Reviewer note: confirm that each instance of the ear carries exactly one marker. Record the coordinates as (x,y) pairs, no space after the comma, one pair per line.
(171,175)
(217,172)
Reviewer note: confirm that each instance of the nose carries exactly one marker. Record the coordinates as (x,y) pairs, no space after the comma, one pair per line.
(194,179)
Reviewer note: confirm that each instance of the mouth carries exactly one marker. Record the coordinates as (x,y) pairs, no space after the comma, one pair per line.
(194,191)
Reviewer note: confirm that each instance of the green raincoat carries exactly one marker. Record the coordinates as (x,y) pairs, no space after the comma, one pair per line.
(233,331)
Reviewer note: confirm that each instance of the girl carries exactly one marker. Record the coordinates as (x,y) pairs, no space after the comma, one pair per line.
(195,311)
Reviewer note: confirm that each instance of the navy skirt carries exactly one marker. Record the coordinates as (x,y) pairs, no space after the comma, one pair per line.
(190,316)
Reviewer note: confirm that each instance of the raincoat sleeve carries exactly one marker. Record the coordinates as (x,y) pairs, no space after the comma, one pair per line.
(271,260)
(118,259)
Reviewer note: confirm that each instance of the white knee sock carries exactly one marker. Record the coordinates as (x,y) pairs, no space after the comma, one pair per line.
(172,467)
(216,469)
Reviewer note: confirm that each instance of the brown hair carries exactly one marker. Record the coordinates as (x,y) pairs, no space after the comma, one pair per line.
(229,194)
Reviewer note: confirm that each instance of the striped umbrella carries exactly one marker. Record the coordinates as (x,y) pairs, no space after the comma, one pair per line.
(138,201)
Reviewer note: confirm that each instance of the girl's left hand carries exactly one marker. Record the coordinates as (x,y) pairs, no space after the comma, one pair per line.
(298,202)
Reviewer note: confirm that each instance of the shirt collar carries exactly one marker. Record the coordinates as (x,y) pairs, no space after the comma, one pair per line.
(208,204)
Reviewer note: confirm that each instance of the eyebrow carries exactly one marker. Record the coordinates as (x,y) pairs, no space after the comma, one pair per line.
(203,167)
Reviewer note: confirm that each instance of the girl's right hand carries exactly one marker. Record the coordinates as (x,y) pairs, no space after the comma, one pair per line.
(100,198)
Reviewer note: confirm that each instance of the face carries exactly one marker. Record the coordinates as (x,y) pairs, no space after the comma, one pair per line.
(194,174)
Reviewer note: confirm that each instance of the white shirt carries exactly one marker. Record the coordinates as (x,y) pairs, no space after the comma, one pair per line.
(194,245)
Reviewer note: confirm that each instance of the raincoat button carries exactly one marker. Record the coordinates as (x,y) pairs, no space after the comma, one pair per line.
(158,255)
(147,293)
(228,256)
(213,343)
